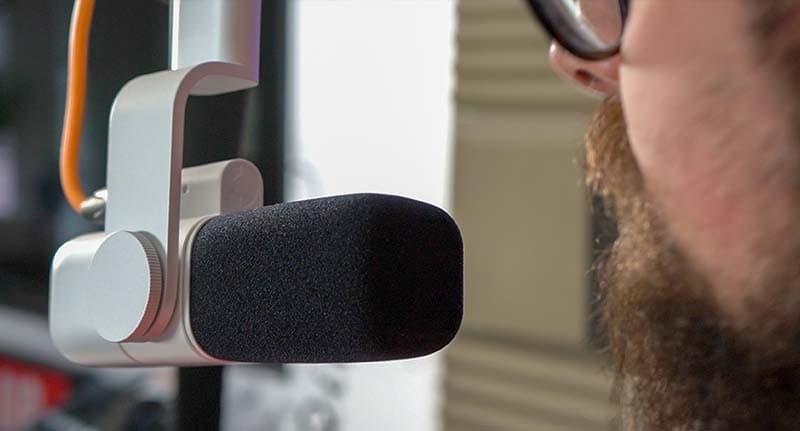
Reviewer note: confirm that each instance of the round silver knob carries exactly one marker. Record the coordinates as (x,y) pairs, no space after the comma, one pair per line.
(125,285)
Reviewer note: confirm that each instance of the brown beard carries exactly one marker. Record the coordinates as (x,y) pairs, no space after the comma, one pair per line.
(680,363)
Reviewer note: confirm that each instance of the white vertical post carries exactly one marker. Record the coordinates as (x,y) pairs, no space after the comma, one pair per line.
(227,31)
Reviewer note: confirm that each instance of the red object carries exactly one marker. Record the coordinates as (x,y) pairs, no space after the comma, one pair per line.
(28,391)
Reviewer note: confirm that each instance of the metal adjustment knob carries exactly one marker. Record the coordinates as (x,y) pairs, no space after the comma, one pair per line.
(125,286)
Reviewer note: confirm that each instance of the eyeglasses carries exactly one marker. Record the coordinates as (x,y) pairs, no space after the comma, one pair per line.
(589,29)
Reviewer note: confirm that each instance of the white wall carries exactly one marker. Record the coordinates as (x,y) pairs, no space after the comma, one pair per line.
(372,98)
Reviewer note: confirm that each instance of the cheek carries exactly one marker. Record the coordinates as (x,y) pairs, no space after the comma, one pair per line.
(675,77)
(674,137)
(715,154)
(668,123)
(711,133)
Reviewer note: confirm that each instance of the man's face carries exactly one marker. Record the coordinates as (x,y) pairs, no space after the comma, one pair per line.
(696,151)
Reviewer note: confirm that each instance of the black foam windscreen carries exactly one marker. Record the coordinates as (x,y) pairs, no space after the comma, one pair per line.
(353,278)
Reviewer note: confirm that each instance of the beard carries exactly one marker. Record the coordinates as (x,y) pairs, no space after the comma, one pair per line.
(680,362)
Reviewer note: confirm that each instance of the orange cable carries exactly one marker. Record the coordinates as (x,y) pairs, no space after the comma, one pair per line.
(77,65)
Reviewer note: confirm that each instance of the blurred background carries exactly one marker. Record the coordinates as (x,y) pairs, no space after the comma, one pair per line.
(448,101)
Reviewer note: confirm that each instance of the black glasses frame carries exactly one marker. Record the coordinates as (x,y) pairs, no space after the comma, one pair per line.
(551,15)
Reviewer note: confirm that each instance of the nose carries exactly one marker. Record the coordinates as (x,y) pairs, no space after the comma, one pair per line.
(598,77)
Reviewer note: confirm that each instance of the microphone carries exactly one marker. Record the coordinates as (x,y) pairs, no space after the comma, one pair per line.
(189,270)
(354,278)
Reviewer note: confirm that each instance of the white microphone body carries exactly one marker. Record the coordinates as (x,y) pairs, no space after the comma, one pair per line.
(206,191)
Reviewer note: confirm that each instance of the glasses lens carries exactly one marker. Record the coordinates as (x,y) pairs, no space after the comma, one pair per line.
(591,27)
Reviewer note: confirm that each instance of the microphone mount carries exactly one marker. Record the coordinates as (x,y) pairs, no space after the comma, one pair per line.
(115,293)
